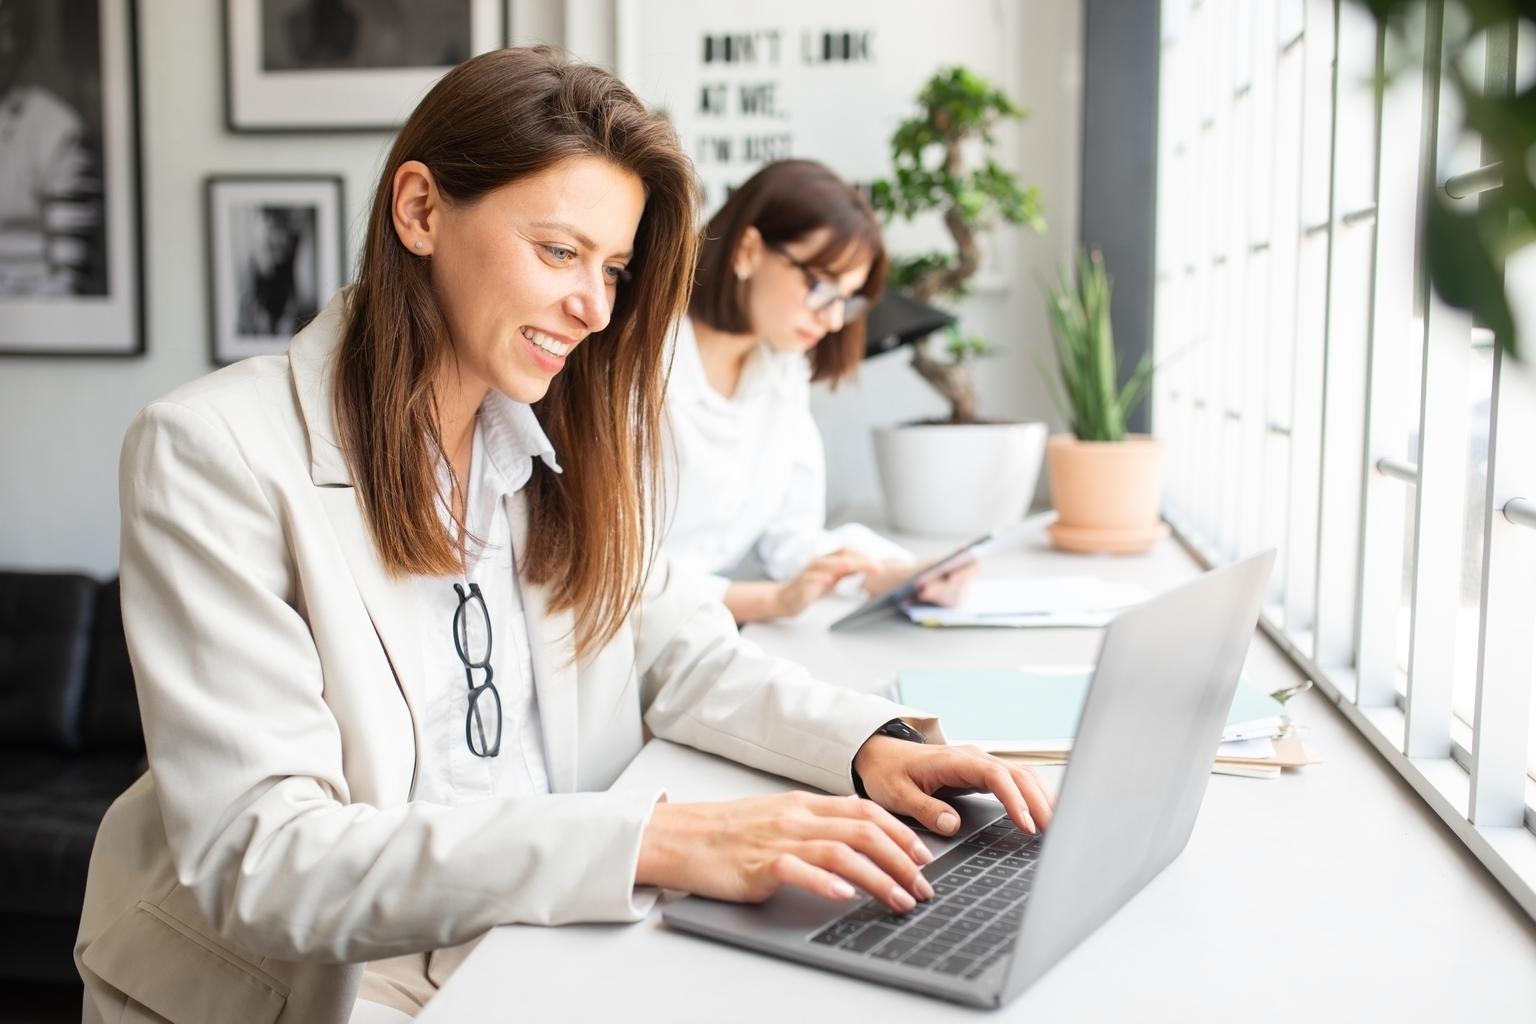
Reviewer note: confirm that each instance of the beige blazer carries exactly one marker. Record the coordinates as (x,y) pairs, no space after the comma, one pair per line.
(273,845)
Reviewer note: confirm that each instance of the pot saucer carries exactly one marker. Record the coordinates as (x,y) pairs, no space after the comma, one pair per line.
(1118,541)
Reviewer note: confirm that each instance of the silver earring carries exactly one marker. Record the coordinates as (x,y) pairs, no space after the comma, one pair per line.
(741,275)
(418,243)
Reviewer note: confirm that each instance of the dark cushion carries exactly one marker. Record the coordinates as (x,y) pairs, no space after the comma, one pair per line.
(45,638)
(40,949)
(51,804)
(111,717)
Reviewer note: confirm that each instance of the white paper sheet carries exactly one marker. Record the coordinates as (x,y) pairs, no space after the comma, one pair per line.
(1042,601)
(1258,748)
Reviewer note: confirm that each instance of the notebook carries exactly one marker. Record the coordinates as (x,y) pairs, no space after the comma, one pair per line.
(1037,709)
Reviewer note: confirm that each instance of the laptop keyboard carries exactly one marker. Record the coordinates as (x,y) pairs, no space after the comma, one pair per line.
(979,887)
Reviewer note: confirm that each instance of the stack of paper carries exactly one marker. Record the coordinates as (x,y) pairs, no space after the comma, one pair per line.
(1285,751)
(1041,601)
(1032,715)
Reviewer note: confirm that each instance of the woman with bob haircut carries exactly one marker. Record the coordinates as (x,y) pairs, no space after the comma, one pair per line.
(396,628)
(788,267)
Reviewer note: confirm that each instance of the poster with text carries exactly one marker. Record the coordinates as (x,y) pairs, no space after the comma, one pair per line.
(747,84)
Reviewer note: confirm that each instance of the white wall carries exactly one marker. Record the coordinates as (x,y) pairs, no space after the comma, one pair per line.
(61,421)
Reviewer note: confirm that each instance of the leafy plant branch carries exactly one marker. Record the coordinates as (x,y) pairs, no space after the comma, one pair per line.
(1465,249)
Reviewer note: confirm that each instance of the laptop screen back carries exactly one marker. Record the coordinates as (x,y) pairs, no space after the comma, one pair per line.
(1165,678)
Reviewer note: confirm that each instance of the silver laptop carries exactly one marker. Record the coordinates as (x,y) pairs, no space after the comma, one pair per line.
(1007,904)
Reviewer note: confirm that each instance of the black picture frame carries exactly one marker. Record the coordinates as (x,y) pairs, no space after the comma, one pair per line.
(72,284)
(276,255)
(287,71)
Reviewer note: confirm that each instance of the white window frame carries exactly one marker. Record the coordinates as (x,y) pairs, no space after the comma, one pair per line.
(1241,296)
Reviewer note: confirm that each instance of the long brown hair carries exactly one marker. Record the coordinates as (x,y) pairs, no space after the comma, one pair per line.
(787,200)
(490,121)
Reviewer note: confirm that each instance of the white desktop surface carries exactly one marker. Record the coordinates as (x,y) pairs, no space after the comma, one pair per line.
(1328,894)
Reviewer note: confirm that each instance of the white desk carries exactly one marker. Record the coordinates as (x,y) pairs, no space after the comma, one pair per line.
(1328,894)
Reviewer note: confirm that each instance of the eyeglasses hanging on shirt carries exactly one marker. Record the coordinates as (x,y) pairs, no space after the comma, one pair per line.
(472,639)
(821,294)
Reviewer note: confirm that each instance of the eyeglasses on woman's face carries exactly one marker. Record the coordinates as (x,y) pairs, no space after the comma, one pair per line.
(821,293)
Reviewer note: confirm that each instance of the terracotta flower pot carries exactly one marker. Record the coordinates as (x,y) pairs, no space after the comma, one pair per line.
(1106,493)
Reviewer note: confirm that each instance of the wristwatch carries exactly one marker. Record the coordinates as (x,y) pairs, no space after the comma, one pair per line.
(897,729)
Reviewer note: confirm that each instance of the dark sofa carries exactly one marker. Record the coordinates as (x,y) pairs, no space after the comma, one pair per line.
(70,742)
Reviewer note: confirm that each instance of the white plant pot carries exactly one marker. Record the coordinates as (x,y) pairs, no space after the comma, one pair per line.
(958,479)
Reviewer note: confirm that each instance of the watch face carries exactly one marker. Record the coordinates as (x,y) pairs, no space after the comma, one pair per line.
(901,730)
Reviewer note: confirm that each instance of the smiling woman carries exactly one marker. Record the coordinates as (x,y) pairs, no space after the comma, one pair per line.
(522,282)
(492,238)
(520,300)
(391,654)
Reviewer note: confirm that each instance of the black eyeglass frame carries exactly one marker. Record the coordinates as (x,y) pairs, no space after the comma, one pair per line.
(474,721)
(854,306)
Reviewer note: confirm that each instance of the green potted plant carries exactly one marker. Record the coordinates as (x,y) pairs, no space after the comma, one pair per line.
(1106,484)
(944,164)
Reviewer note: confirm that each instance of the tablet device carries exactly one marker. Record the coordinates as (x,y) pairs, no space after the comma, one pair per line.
(880,606)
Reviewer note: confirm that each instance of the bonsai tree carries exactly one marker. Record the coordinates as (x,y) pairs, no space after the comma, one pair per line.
(1085,389)
(957,111)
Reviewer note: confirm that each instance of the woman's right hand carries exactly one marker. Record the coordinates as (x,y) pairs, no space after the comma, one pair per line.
(746,850)
(817,580)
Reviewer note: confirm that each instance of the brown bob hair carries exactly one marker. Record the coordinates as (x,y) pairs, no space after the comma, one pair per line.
(492,120)
(787,200)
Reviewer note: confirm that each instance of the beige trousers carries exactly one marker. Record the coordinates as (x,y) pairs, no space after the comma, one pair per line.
(406,983)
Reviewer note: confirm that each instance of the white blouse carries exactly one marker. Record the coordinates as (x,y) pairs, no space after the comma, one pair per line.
(746,476)
(507,437)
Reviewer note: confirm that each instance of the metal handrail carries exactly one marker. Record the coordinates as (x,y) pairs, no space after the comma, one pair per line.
(1460,186)
(1397,469)
(1521,512)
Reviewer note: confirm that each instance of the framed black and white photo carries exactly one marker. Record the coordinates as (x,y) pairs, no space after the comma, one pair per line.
(275,257)
(345,65)
(70,236)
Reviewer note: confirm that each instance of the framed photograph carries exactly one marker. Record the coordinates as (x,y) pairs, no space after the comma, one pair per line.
(345,65)
(71,248)
(275,257)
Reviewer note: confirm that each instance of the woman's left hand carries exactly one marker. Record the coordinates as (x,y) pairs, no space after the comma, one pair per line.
(886,576)
(902,777)
(947,589)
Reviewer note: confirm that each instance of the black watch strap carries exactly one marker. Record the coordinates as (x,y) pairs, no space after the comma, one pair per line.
(901,730)
(895,728)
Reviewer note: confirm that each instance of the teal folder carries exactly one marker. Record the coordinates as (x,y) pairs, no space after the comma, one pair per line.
(1037,710)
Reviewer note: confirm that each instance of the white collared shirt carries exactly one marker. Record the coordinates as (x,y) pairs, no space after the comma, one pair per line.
(746,476)
(506,439)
